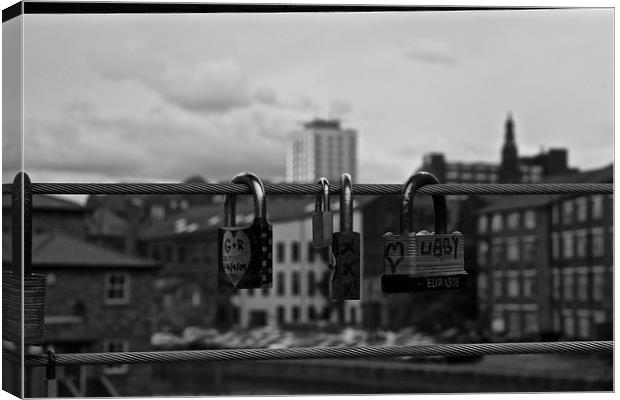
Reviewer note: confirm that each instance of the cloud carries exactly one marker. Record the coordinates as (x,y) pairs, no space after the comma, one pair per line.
(206,86)
(266,96)
(430,51)
(163,145)
(340,108)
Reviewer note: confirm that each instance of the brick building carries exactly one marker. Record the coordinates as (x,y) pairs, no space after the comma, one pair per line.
(97,299)
(582,261)
(51,212)
(187,244)
(544,263)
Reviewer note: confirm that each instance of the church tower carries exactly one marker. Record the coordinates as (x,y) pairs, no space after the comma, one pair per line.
(509,168)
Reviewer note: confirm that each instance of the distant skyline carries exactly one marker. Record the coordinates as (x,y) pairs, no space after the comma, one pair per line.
(164,97)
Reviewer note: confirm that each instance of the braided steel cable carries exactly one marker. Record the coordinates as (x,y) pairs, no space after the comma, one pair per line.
(324,353)
(308,189)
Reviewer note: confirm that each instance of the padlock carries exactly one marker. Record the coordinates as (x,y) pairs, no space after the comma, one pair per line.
(30,313)
(322,219)
(345,281)
(245,253)
(423,261)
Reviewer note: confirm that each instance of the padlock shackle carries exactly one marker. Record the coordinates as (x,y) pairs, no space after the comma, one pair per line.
(258,191)
(415,182)
(346,203)
(322,199)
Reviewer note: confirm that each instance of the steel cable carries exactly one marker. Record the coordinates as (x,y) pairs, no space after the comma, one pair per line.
(309,189)
(324,353)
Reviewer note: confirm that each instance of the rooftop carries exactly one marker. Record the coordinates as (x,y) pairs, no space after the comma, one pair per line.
(56,250)
(47,202)
(498,203)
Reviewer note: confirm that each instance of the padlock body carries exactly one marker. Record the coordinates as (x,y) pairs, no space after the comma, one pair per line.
(245,256)
(414,263)
(345,281)
(32,317)
(322,228)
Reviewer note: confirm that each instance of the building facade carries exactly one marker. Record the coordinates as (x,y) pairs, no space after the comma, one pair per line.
(545,264)
(321,149)
(582,266)
(512,267)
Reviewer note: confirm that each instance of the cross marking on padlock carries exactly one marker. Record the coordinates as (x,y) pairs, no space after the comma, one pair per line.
(345,282)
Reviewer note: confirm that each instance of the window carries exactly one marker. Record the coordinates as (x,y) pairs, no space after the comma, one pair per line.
(529,283)
(514,322)
(567,212)
(581,238)
(529,248)
(513,220)
(311,283)
(555,281)
(530,219)
(582,209)
(497,254)
(599,317)
(583,322)
(513,286)
(482,224)
(311,253)
(295,310)
(311,312)
(531,322)
(497,286)
(555,214)
(295,283)
(512,249)
(280,252)
(567,238)
(116,288)
(598,244)
(598,283)
(497,223)
(555,245)
(569,325)
(113,346)
(280,282)
(597,207)
(568,284)
(483,253)
(295,252)
(195,299)
(158,212)
(250,292)
(582,284)
(482,285)
(280,314)
(556,321)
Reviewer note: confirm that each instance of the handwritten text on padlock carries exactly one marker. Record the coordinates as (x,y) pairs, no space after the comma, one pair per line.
(236,254)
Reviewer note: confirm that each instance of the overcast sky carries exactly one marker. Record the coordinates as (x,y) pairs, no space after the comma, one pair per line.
(163,97)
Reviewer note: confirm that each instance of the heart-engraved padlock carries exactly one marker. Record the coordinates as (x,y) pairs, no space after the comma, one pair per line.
(423,261)
(322,218)
(245,260)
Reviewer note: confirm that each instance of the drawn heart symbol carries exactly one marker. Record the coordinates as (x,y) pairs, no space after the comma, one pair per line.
(394,253)
(236,254)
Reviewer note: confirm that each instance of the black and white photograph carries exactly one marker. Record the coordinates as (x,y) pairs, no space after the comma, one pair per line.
(306,199)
